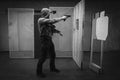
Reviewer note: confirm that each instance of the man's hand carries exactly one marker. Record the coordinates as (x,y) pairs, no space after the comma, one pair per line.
(67,16)
(61,34)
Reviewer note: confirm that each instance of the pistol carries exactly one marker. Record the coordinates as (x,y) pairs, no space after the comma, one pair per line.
(67,15)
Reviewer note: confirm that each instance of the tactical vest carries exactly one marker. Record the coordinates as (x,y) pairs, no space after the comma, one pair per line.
(46,29)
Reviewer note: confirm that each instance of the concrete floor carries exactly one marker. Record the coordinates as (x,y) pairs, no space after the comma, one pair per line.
(25,69)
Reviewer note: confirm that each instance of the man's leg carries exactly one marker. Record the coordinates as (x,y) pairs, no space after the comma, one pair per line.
(52,59)
(42,59)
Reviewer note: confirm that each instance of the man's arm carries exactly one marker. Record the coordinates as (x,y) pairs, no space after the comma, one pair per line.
(57,31)
(55,20)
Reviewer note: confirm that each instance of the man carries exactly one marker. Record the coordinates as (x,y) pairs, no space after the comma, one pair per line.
(46,29)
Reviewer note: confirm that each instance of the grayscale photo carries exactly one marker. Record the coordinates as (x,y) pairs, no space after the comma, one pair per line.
(59,40)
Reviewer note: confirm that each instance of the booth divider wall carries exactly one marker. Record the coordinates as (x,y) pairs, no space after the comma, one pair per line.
(79,11)
(21,32)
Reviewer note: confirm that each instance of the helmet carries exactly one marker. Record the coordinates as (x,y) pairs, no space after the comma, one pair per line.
(45,12)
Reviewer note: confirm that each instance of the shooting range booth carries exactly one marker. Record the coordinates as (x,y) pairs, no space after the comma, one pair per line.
(24,39)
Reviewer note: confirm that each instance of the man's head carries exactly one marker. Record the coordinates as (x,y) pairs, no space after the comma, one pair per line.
(45,12)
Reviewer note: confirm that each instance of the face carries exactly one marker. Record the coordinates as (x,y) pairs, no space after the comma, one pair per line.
(50,12)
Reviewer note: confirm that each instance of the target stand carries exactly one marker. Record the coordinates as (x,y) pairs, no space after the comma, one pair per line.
(99,32)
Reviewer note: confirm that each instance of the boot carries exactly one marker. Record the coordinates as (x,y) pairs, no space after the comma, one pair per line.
(40,74)
(54,70)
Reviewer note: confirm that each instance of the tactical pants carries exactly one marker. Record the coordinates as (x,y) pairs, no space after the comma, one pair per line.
(46,49)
